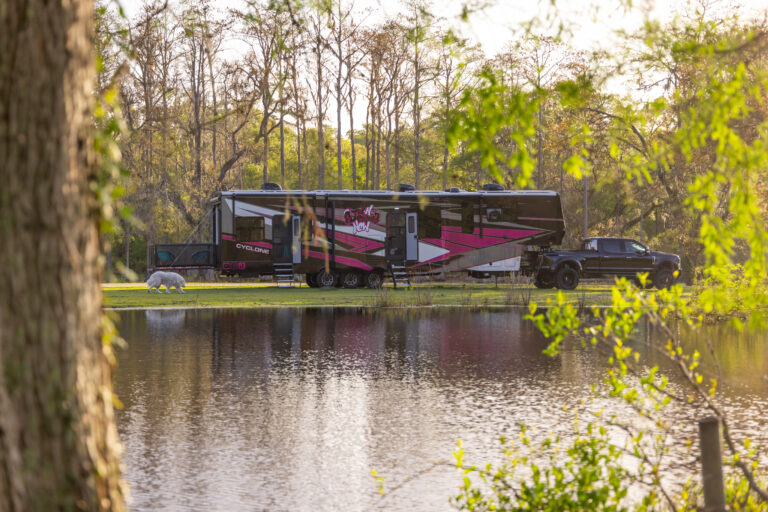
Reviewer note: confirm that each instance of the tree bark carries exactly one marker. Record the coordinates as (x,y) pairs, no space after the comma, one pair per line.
(58,442)
(353,163)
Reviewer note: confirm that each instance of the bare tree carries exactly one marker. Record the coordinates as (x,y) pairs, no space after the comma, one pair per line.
(264,34)
(318,34)
(417,33)
(450,82)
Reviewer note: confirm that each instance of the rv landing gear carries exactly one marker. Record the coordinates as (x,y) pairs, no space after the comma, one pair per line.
(325,279)
(373,279)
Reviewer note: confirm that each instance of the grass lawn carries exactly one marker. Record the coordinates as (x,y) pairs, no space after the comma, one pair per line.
(266,294)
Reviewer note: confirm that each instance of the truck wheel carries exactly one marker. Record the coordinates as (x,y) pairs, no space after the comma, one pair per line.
(663,279)
(544,281)
(567,278)
(325,279)
(373,279)
(351,279)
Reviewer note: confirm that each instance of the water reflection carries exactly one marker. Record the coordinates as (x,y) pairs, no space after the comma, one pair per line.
(291,408)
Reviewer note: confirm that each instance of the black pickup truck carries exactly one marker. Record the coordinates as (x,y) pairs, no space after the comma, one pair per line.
(604,257)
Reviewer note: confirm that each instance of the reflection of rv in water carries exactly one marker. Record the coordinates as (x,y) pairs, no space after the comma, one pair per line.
(359,238)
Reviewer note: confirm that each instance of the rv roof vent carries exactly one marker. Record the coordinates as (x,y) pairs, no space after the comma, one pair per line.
(453,189)
(405,187)
(493,187)
(271,186)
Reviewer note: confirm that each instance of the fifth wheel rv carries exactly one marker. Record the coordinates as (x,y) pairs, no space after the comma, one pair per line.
(359,238)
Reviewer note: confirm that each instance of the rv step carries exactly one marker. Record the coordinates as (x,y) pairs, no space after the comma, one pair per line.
(399,275)
(282,274)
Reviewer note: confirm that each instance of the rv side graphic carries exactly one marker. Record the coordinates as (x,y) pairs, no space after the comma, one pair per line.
(355,238)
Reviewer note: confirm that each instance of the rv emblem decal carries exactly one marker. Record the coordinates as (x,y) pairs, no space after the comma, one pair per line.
(252,248)
(360,218)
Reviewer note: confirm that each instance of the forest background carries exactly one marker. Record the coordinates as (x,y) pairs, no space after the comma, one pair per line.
(336,100)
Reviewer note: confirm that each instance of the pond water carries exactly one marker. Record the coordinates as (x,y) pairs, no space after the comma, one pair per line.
(291,409)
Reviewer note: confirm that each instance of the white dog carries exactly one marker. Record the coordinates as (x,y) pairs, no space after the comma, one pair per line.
(167,279)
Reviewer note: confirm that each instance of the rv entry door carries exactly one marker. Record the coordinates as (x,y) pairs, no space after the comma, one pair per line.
(281,239)
(395,242)
(296,238)
(411,237)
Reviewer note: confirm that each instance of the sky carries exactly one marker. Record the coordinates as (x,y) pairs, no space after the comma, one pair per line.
(592,24)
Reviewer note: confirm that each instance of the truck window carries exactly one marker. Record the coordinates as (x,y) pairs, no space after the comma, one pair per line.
(589,245)
(249,229)
(613,246)
(635,247)
(467,217)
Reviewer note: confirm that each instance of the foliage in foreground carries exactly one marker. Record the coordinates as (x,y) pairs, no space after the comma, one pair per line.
(702,126)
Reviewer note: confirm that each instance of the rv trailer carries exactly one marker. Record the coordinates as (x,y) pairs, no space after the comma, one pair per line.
(359,238)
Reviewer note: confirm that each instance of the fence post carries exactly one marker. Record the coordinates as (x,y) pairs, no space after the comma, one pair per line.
(711,464)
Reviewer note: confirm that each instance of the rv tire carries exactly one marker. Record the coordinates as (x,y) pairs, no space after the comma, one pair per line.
(351,279)
(373,279)
(325,279)
(567,278)
(311,280)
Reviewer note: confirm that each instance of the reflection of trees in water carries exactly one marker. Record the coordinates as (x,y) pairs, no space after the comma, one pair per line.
(741,354)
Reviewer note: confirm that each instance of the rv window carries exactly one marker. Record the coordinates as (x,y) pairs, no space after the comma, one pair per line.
(431,222)
(249,229)
(411,225)
(467,217)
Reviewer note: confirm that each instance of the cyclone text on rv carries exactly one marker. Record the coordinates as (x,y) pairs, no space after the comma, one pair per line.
(359,238)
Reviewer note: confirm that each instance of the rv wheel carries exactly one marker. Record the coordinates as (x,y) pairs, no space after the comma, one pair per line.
(351,279)
(325,279)
(373,279)
(311,280)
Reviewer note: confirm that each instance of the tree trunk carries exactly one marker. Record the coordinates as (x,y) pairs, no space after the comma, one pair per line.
(298,150)
(397,147)
(282,152)
(352,146)
(320,134)
(338,118)
(377,148)
(265,157)
(306,154)
(416,121)
(367,151)
(540,154)
(58,442)
(445,167)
